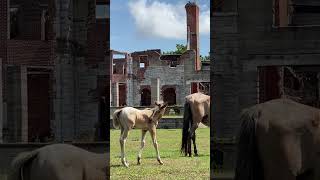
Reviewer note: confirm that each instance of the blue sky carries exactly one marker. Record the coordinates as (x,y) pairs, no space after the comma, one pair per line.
(138,25)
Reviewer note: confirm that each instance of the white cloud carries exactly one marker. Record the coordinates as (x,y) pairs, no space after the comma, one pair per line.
(154,18)
(204,24)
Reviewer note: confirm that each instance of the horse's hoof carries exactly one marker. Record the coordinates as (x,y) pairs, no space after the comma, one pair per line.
(196,155)
(160,162)
(138,162)
(126,164)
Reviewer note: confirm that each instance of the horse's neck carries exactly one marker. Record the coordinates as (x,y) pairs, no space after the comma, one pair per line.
(149,111)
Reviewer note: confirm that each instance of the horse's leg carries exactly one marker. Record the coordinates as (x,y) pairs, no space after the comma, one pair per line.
(189,144)
(155,143)
(143,141)
(194,144)
(121,132)
(192,133)
(123,139)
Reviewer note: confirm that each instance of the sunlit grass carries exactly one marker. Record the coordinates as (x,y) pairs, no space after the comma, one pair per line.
(175,165)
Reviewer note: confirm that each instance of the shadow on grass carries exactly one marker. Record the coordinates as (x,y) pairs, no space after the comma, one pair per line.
(130,165)
(116,165)
(200,155)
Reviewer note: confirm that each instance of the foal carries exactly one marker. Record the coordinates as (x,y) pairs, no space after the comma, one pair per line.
(146,120)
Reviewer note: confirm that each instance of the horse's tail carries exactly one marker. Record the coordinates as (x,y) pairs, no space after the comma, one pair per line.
(19,163)
(115,118)
(187,120)
(248,165)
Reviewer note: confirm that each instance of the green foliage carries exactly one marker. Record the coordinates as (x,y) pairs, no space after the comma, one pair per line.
(205,58)
(180,49)
(176,166)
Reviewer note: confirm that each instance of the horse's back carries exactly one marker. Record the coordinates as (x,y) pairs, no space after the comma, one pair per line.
(61,161)
(198,97)
(281,135)
(200,107)
(58,162)
(199,101)
(285,114)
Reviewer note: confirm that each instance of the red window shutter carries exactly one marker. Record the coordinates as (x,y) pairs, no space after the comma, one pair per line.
(194,87)
(283,13)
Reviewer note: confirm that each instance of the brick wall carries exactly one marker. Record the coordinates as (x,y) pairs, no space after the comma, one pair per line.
(13,100)
(74,84)
(3,29)
(179,77)
(31,52)
(159,69)
(98,36)
(193,31)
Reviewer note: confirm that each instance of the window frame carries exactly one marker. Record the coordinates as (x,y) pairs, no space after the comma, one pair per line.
(106,11)
(143,61)
(17,9)
(277,19)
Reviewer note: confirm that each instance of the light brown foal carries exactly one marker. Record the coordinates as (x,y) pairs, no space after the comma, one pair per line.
(128,118)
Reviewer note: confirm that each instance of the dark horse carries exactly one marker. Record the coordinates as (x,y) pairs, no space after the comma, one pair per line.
(196,110)
(279,139)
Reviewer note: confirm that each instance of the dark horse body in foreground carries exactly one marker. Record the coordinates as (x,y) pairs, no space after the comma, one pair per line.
(60,162)
(196,110)
(279,140)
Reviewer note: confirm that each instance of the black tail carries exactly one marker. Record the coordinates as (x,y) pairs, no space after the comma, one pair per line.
(187,123)
(248,165)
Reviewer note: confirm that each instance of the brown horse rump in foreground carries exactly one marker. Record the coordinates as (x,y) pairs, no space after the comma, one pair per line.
(196,110)
(60,162)
(279,140)
(128,118)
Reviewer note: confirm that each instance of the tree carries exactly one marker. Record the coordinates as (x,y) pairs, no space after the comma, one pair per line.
(205,58)
(180,49)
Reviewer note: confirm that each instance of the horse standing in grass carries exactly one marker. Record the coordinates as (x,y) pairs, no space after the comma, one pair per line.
(146,120)
(196,110)
(279,139)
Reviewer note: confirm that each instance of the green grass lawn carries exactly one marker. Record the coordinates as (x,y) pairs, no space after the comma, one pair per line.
(175,165)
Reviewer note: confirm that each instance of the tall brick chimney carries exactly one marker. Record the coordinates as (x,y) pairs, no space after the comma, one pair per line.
(192,10)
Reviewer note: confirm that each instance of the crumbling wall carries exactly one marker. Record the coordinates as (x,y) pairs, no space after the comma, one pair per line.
(157,68)
(190,75)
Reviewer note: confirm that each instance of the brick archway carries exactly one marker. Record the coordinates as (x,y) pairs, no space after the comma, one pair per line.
(145,97)
(169,95)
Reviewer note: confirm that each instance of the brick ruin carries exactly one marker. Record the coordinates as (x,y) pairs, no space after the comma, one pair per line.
(54,69)
(142,77)
(263,50)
